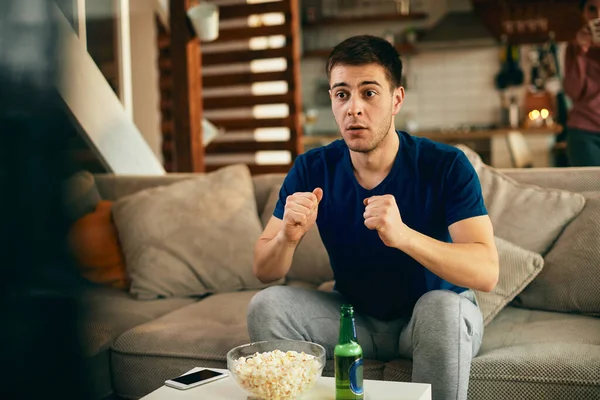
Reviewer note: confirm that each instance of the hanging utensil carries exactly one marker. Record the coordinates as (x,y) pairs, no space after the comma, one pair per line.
(561,100)
(517,77)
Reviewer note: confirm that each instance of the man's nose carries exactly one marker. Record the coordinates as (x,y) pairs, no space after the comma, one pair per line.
(354,107)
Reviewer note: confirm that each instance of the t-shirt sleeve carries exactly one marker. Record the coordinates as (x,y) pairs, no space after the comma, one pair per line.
(295,181)
(462,191)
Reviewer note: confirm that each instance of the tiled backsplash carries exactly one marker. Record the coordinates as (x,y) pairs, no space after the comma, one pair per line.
(452,88)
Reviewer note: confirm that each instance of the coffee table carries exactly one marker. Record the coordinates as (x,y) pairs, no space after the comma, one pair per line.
(324,389)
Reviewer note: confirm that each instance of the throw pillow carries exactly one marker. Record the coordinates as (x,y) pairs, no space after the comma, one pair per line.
(193,237)
(80,195)
(311,261)
(94,243)
(571,275)
(518,267)
(527,215)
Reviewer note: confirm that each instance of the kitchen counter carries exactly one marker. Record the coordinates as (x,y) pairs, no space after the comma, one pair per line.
(483,141)
(444,136)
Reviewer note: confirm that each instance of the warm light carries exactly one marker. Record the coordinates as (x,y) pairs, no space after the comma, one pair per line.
(270,19)
(273,157)
(266,42)
(268,65)
(272,87)
(545,113)
(272,134)
(271,111)
(535,114)
(280,134)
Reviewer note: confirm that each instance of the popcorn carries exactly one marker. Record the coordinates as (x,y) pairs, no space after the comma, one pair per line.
(277,375)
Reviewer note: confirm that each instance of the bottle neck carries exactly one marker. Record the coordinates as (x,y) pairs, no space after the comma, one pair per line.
(347,330)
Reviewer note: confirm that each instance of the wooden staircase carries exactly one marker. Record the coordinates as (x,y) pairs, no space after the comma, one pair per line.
(256,124)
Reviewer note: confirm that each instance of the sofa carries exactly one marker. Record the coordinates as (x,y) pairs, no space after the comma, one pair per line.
(548,350)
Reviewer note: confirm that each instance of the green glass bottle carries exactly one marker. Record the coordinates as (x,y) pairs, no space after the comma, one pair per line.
(348,358)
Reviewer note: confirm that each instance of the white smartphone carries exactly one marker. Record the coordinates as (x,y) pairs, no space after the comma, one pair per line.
(195,378)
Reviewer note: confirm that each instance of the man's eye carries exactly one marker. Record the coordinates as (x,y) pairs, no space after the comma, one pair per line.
(340,95)
(371,93)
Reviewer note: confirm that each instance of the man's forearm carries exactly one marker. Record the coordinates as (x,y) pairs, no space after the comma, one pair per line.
(470,265)
(273,258)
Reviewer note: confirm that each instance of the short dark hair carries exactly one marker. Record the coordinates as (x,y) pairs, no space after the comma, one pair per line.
(367,49)
(582,4)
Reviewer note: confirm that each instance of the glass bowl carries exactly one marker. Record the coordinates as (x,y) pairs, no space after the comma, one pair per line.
(276,369)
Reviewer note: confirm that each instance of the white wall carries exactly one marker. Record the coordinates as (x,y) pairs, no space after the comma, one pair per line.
(145,74)
(98,110)
(144,64)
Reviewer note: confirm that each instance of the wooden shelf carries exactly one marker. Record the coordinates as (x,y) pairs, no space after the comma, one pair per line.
(486,134)
(365,18)
(403,49)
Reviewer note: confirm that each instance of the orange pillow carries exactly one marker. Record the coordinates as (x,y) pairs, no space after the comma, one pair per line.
(94,242)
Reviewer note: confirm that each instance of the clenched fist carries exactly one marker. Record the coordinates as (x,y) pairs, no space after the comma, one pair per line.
(382,214)
(300,213)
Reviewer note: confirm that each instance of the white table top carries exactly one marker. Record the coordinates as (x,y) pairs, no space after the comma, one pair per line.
(324,389)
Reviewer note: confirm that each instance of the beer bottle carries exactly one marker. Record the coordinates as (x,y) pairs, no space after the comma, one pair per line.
(348,358)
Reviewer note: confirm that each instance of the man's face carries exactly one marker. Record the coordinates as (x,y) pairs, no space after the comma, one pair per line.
(591,10)
(363,104)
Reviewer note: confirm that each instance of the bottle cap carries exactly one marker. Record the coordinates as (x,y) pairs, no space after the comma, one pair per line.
(347,309)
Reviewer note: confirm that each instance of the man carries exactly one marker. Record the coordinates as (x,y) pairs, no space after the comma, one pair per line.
(582,85)
(405,226)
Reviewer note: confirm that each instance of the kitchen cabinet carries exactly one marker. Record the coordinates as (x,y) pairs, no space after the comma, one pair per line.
(348,20)
(403,49)
(531,21)
(354,19)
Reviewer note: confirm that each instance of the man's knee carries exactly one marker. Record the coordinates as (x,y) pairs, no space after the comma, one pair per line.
(437,312)
(266,304)
(439,304)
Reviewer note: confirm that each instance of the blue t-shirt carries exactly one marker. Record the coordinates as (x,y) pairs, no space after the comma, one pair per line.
(434,186)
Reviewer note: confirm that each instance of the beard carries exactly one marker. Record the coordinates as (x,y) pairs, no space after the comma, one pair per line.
(379,134)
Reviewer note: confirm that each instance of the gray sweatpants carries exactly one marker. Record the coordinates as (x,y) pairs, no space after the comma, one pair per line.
(442,336)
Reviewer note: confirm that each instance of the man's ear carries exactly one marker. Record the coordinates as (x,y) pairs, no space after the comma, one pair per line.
(397,99)
(329,91)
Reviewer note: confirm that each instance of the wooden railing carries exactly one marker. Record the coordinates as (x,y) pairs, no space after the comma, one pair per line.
(228,98)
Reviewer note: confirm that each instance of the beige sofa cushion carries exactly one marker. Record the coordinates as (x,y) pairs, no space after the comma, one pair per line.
(527,215)
(529,354)
(108,313)
(311,261)
(518,267)
(111,312)
(570,279)
(191,238)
